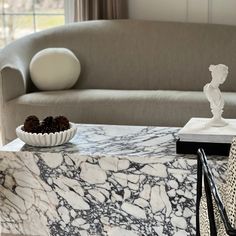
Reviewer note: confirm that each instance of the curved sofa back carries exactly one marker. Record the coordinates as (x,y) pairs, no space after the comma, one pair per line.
(137,54)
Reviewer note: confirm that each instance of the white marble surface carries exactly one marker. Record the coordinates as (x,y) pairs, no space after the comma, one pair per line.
(109,180)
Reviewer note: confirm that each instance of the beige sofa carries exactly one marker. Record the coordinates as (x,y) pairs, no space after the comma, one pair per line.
(133,73)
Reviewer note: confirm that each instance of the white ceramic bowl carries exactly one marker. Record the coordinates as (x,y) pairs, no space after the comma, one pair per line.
(46,140)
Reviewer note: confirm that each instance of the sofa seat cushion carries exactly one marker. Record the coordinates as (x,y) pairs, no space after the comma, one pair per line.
(128,107)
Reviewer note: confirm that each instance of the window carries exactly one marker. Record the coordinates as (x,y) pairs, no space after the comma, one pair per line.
(21,17)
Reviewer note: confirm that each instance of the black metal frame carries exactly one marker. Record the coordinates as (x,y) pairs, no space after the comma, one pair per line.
(204,174)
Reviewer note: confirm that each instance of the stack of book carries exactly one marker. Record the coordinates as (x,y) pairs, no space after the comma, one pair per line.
(197,134)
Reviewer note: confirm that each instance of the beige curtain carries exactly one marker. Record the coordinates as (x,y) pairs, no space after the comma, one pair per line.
(100,9)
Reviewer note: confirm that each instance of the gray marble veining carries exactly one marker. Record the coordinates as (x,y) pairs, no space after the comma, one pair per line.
(109,180)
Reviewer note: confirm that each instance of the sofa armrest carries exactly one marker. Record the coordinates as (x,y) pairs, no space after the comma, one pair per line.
(14,74)
(14,68)
(13,83)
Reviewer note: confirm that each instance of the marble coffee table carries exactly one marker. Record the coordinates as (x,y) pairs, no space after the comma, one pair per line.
(109,180)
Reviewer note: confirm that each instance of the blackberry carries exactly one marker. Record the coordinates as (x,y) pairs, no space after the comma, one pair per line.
(31,123)
(62,123)
(49,125)
(47,129)
(48,121)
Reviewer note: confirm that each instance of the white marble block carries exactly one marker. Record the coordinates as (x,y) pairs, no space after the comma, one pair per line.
(109,180)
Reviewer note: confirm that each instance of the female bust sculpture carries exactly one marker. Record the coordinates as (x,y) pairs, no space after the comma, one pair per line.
(219,74)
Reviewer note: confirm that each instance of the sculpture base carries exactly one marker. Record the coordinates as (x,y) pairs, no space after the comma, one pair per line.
(198,130)
(220,149)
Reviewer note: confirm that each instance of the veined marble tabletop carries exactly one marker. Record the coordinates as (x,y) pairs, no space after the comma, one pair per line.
(109,180)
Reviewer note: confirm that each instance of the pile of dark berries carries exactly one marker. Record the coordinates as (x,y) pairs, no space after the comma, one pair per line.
(48,125)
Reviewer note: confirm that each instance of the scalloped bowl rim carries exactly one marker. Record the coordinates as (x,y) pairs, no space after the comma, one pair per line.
(47,140)
(19,130)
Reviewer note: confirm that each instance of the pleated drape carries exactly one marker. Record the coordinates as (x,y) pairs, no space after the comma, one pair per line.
(100,9)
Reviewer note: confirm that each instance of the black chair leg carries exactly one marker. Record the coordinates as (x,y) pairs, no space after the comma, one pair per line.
(199,195)
(210,208)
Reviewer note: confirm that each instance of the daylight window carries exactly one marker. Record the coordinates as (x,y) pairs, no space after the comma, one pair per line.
(21,17)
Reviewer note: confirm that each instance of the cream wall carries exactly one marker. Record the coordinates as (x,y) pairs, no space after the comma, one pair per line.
(204,11)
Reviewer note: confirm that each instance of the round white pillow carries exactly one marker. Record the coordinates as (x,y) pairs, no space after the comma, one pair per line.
(54,69)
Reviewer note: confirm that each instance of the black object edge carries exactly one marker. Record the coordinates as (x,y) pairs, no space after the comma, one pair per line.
(221,149)
(211,190)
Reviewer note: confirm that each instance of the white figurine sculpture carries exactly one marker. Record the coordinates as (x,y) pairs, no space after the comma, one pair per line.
(219,74)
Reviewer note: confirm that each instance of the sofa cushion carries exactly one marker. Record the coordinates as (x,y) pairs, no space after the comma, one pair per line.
(54,69)
(129,107)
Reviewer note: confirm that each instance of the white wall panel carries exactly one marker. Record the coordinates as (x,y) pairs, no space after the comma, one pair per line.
(198,11)
(224,12)
(212,11)
(167,10)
